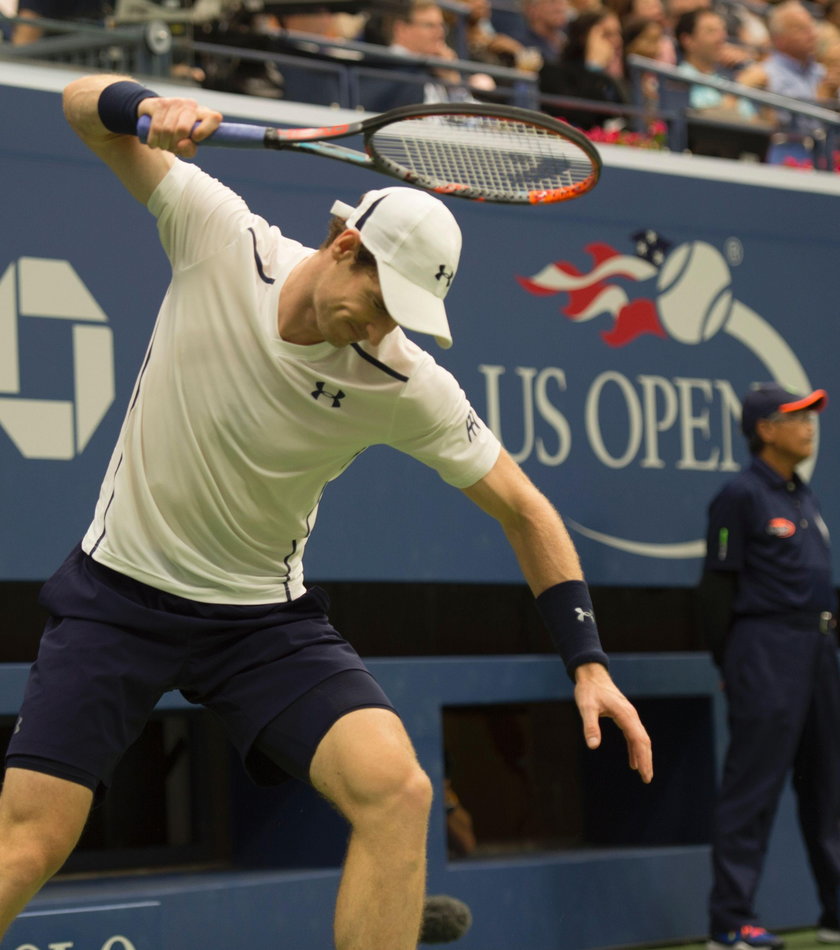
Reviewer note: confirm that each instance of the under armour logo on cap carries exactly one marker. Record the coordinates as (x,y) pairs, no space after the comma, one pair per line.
(442,273)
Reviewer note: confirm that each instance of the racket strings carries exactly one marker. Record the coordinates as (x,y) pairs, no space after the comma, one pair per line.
(502,159)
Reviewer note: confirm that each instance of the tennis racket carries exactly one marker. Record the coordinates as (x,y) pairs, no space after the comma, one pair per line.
(482,152)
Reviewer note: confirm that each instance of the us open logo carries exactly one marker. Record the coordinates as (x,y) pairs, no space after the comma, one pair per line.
(685,295)
(37,289)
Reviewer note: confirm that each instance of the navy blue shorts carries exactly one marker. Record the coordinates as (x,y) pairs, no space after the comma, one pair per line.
(277,676)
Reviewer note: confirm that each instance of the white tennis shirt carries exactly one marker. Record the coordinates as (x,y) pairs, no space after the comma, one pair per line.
(232,433)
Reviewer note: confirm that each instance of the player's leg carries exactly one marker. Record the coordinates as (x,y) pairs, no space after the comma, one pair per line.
(367,767)
(41,820)
(340,734)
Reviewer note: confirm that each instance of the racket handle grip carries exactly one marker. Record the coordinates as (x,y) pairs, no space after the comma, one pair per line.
(228,134)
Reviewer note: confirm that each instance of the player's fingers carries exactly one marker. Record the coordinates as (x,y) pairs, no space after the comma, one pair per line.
(641,758)
(186,148)
(172,122)
(208,122)
(639,747)
(591,726)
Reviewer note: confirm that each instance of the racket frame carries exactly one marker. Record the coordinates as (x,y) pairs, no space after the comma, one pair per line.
(318,141)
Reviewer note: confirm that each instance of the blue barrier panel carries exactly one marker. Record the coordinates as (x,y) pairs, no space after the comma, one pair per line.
(607,342)
(559,900)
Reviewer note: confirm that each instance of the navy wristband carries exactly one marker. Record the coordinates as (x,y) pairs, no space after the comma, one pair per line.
(566,609)
(118,105)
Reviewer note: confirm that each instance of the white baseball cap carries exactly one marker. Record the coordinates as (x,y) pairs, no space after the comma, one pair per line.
(417,243)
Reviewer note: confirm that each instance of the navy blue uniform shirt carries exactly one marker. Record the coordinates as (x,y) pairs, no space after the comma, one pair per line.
(770,531)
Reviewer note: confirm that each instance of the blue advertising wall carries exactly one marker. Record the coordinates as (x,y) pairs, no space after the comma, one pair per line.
(607,342)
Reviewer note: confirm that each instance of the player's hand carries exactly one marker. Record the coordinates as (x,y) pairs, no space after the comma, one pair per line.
(173,122)
(597,695)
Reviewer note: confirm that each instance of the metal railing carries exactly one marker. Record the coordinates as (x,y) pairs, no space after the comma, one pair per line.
(147,49)
(821,139)
(360,62)
(142,49)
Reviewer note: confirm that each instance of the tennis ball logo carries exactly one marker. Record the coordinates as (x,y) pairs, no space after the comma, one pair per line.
(695,296)
(40,428)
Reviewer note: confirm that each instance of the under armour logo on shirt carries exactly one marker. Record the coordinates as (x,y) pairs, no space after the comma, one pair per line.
(473,426)
(443,274)
(581,614)
(336,397)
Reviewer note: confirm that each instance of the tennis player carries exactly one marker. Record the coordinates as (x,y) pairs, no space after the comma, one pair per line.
(270,368)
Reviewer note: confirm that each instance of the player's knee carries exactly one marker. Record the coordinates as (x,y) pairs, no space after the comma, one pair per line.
(36,838)
(35,857)
(416,794)
(403,794)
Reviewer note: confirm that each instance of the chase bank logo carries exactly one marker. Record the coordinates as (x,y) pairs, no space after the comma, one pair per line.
(33,289)
(683,295)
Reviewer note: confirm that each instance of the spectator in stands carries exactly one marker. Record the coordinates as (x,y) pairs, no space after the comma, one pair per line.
(647,10)
(543,26)
(485,44)
(643,37)
(91,10)
(655,10)
(733,55)
(701,35)
(673,10)
(589,69)
(747,27)
(418,32)
(792,70)
(829,88)
(828,29)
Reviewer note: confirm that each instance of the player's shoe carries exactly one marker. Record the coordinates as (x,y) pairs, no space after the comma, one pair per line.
(828,935)
(744,938)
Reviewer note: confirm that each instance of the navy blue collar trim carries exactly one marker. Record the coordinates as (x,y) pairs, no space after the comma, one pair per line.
(263,276)
(375,362)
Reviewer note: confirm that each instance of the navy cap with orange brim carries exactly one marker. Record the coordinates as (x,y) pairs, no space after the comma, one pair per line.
(768,399)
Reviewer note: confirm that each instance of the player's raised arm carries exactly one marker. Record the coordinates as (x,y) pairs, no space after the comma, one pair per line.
(103,110)
(551,567)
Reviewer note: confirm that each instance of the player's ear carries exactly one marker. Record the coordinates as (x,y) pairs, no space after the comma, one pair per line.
(346,243)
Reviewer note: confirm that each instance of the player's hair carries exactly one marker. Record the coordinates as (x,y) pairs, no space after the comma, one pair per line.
(363,256)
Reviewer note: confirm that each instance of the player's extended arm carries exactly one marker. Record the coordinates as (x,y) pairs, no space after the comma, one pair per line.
(139,167)
(551,567)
